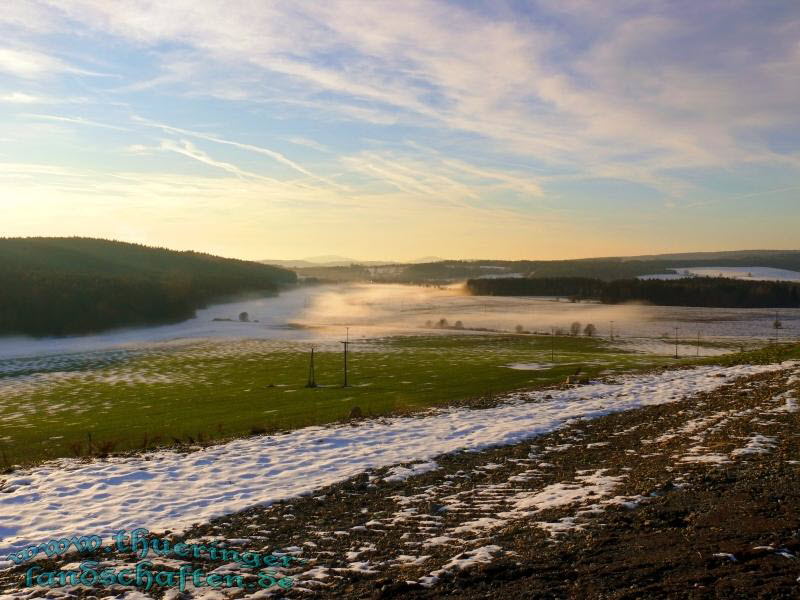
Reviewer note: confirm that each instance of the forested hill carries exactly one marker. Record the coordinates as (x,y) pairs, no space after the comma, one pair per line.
(59,286)
(694,291)
(607,269)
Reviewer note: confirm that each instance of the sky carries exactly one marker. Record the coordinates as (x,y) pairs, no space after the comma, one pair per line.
(387,130)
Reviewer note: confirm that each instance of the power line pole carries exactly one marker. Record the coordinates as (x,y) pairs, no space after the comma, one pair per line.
(346,343)
(312,383)
(676,342)
(612,330)
(698,344)
(552,344)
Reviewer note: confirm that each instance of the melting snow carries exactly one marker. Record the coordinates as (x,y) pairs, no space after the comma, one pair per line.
(402,473)
(758,444)
(463,561)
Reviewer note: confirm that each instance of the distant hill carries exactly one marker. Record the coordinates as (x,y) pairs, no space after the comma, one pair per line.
(310,263)
(607,269)
(60,286)
(341,261)
(724,254)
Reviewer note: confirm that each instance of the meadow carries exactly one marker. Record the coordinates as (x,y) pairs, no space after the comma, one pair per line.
(76,405)
(197,393)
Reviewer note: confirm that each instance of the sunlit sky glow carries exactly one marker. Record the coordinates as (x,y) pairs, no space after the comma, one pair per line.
(395,130)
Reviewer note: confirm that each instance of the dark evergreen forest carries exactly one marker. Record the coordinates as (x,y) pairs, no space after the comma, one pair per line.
(61,286)
(694,291)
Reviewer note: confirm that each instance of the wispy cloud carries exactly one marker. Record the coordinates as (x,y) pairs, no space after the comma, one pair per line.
(524,111)
(301,141)
(75,121)
(32,64)
(186,148)
(629,87)
(250,147)
(22,98)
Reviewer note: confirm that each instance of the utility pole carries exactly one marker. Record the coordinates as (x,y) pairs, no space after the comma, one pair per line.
(312,383)
(612,330)
(676,342)
(698,344)
(346,343)
(552,344)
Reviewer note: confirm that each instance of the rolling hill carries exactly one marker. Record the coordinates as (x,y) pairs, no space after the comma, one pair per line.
(607,268)
(61,286)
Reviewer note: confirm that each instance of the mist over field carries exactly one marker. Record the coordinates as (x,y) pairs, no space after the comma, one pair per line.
(321,314)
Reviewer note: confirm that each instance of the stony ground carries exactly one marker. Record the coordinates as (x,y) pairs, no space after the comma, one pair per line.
(699,498)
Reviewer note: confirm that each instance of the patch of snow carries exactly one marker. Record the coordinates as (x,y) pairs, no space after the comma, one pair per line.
(727,555)
(465,560)
(790,405)
(563,525)
(440,540)
(713,458)
(758,444)
(399,473)
(565,493)
(411,561)
(747,273)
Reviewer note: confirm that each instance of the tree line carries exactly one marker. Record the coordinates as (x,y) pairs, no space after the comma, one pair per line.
(607,269)
(62,286)
(578,287)
(712,292)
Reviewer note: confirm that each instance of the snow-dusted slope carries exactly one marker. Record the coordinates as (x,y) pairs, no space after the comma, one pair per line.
(167,490)
(748,273)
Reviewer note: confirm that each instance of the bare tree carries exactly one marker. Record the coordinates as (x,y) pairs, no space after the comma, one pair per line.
(776,325)
(589,330)
(458,325)
(575,328)
(244,317)
(519,329)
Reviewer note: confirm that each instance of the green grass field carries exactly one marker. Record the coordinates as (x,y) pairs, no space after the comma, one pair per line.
(213,391)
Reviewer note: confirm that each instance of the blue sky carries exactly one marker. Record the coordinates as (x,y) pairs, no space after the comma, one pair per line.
(393,130)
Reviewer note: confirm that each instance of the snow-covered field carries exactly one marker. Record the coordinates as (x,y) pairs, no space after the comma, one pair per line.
(749,273)
(168,490)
